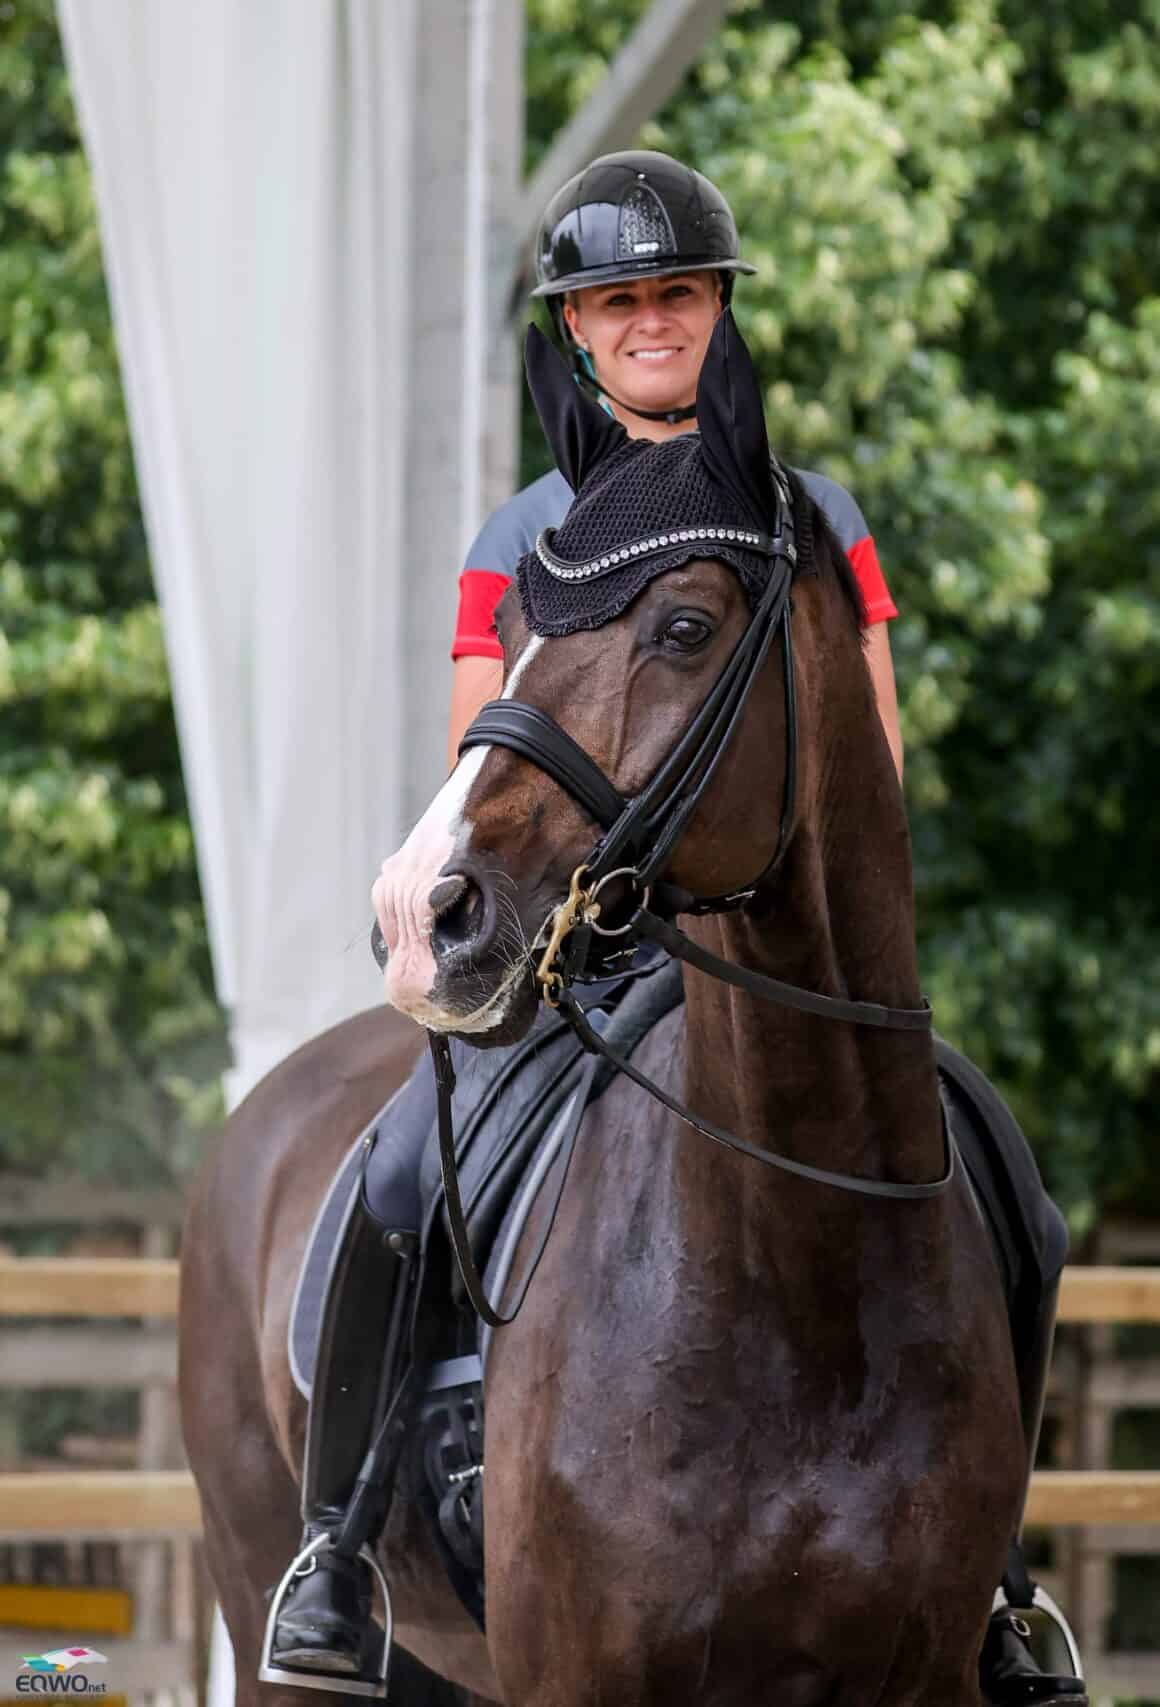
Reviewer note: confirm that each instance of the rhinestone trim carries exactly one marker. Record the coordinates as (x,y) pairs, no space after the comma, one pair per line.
(564,570)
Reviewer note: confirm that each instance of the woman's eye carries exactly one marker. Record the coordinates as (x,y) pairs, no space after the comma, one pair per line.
(684,634)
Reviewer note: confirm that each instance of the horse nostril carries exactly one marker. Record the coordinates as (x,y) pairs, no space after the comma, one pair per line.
(457,906)
(447,895)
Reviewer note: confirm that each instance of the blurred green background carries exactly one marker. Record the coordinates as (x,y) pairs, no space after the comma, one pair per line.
(955,213)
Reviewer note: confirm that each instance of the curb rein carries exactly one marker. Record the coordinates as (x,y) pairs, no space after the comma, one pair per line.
(639,838)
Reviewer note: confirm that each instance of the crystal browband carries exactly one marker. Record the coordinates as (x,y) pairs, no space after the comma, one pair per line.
(565,571)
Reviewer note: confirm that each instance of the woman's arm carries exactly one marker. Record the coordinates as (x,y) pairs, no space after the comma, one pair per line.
(473,682)
(881,666)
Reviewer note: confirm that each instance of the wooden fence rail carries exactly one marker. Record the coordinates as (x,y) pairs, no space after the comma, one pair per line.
(133,1286)
(124,1504)
(136,1503)
(88,1286)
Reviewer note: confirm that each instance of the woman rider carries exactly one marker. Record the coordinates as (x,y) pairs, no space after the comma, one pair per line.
(636,257)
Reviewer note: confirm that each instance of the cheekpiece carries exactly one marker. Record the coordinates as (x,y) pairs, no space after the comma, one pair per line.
(645,509)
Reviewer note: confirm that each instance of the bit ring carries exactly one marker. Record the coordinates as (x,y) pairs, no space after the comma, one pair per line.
(645,891)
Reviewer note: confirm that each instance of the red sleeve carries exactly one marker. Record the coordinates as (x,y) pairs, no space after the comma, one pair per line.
(480,590)
(875,593)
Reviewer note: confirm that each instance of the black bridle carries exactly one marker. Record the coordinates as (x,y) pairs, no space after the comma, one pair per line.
(639,839)
(640,835)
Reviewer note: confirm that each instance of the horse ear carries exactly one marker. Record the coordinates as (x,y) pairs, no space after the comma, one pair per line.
(731,421)
(578,430)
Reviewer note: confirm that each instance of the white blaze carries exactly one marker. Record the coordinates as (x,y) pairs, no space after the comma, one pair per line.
(402,890)
(522,662)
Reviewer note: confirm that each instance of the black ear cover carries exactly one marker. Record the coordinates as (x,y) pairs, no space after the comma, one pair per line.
(731,421)
(579,432)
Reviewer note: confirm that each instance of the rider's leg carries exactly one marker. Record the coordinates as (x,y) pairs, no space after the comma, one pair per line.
(325,1619)
(1008,1674)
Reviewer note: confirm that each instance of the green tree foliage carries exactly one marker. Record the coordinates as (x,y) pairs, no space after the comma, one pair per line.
(108,1032)
(956,217)
(955,213)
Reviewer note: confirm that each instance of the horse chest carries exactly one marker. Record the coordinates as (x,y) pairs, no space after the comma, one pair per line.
(728,1476)
(704,1545)
(674,1422)
(708,1536)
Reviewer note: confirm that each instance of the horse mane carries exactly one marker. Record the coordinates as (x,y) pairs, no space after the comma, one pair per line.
(819,551)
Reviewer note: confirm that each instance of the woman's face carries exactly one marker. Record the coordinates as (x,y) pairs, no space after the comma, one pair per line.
(647,338)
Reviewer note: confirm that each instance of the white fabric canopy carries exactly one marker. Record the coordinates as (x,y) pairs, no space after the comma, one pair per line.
(294,360)
(310,213)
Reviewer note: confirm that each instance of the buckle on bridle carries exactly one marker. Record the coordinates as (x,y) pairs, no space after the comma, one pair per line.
(582,908)
(575,910)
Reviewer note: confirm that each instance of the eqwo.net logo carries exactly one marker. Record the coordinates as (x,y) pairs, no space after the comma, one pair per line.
(57,1674)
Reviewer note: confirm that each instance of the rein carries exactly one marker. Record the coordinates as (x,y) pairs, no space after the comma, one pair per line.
(596,1045)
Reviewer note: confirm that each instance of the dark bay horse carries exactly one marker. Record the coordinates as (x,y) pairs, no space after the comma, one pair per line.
(752,1439)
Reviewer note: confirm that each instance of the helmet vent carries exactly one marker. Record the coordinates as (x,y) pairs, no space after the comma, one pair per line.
(644,228)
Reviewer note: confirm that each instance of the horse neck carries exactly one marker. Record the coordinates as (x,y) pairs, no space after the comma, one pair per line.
(840,920)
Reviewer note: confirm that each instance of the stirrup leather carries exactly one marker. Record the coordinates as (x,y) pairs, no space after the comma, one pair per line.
(268,1672)
(1041,1601)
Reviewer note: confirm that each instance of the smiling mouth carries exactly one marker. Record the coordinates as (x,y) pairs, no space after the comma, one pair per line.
(656,355)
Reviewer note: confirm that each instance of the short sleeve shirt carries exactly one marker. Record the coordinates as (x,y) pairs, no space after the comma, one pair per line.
(512,530)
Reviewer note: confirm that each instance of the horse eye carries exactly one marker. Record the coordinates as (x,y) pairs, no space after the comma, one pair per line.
(684,634)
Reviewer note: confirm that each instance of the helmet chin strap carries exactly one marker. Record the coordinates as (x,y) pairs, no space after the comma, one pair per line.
(586,377)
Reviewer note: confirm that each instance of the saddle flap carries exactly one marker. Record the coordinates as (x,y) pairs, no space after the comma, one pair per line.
(501,1106)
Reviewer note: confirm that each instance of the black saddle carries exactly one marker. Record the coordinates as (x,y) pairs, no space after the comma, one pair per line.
(506,1105)
(1028,1233)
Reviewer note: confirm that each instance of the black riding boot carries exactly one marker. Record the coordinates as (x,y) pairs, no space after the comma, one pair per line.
(1008,1673)
(322,1624)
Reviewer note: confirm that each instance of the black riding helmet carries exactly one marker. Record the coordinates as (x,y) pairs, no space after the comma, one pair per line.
(629,216)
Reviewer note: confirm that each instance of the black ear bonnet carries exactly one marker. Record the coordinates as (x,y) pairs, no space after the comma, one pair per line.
(643,508)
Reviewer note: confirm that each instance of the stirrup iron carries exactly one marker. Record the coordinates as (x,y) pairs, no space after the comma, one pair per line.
(1041,1601)
(268,1672)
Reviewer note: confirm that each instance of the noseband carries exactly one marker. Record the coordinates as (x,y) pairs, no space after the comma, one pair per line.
(640,836)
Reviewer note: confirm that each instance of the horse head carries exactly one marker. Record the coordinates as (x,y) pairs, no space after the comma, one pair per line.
(620,627)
